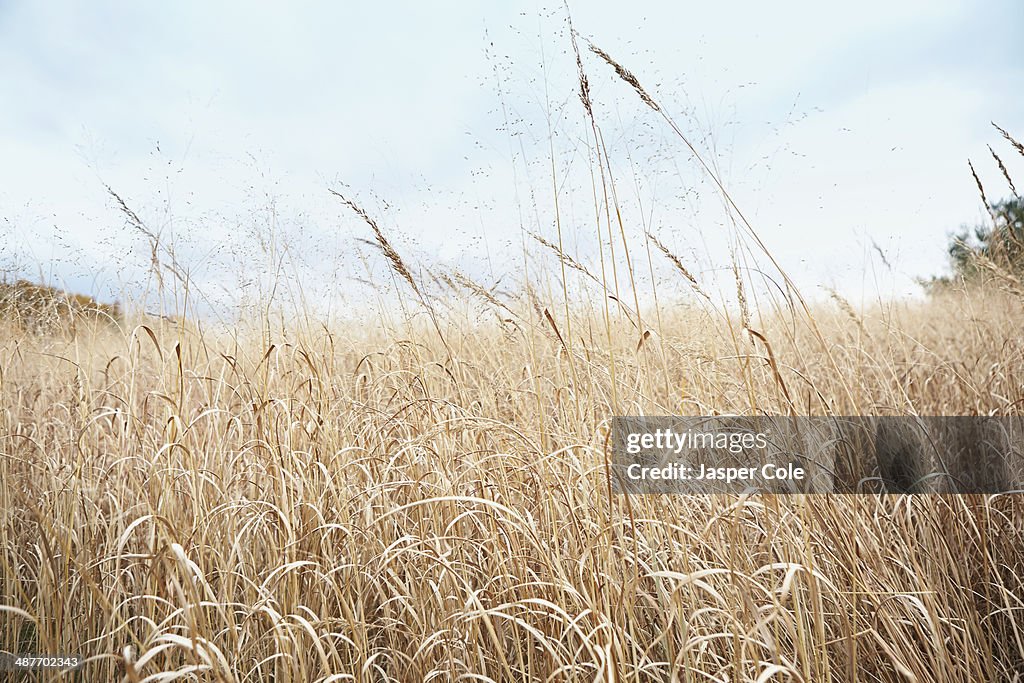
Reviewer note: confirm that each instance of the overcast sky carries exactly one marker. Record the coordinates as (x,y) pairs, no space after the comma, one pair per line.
(837,125)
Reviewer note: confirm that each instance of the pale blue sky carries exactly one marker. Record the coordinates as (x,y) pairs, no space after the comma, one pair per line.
(835,124)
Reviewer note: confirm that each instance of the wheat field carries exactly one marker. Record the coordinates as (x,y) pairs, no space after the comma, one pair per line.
(431,502)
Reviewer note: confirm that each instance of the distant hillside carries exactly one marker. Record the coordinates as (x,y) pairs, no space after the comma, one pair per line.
(40,308)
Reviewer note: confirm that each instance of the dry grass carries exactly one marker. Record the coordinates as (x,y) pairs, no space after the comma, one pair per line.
(363,507)
(40,309)
(428,499)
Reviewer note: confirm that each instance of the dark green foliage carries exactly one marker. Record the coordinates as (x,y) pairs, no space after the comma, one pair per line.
(993,250)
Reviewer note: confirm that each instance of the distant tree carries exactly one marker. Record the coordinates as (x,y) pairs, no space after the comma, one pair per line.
(990,251)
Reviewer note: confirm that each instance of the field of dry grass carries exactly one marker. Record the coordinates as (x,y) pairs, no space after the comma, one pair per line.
(426,497)
(431,502)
